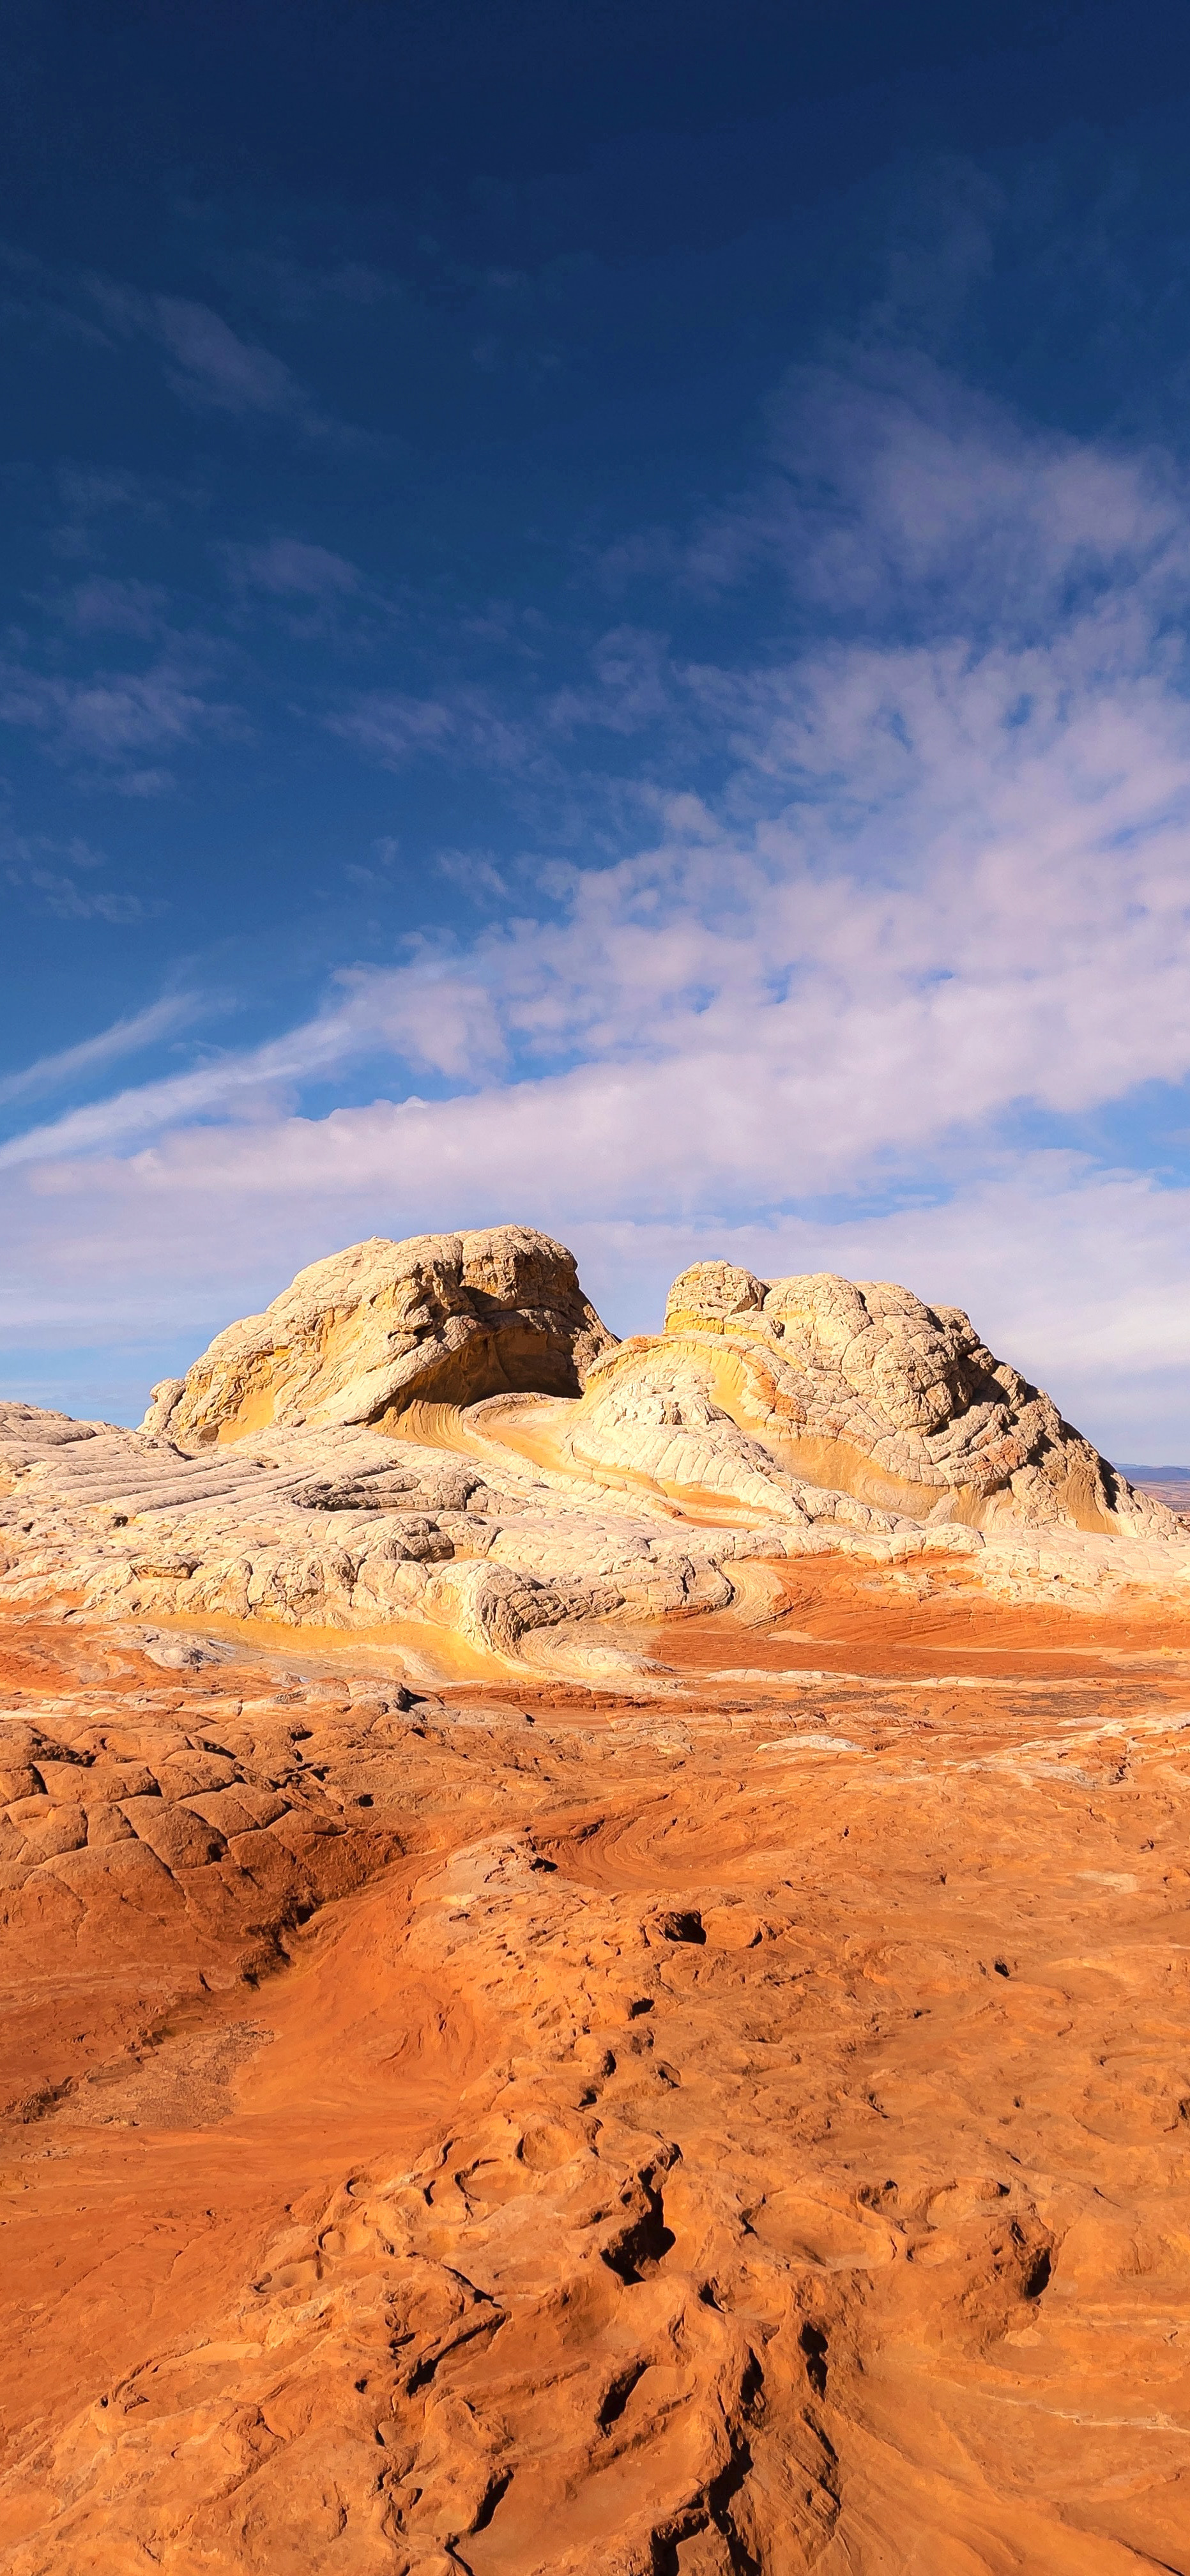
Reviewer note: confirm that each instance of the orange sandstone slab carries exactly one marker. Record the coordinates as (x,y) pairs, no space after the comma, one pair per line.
(555,2130)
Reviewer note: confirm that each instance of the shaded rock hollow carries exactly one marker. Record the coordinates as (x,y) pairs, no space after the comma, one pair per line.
(444,1318)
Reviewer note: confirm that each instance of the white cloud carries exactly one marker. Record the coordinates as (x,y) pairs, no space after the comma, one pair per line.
(946,884)
(898,490)
(429,1020)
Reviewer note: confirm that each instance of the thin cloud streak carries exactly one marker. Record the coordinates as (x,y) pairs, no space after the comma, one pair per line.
(435,1024)
(210,364)
(968,901)
(125,1037)
(143,1111)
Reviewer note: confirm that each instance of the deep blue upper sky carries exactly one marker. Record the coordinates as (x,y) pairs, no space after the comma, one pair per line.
(620,572)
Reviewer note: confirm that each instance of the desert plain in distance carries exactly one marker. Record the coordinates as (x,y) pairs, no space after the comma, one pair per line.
(595,1949)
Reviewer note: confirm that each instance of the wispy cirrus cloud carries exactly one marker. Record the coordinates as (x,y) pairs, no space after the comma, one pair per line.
(60,878)
(212,364)
(69,901)
(633,685)
(116,718)
(208,363)
(418,1017)
(393,727)
(128,1036)
(897,492)
(965,886)
(105,605)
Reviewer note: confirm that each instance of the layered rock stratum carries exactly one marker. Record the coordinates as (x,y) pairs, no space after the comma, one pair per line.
(594,1946)
(860,1385)
(359,1338)
(442,1433)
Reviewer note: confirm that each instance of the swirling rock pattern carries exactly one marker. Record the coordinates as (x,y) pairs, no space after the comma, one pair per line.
(441,1436)
(358,1338)
(858,1383)
(593,1949)
(582,2137)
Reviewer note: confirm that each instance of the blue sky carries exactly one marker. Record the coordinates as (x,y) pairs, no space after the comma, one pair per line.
(595,633)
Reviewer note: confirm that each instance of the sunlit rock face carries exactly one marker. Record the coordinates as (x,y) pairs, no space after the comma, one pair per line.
(441,1435)
(444,1318)
(858,1384)
(731,2123)
(586,1967)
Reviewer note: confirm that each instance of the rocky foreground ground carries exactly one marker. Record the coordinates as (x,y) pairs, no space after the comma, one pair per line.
(684,2072)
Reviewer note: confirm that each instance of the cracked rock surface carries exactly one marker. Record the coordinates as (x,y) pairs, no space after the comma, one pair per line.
(744,2134)
(860,1383)
(360,1337)
(593,1950)
(440,1439)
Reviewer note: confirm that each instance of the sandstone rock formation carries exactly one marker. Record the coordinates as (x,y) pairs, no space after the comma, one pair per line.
(651,1423)
(578,2138)
(857,1384)
(443,1317)
(590,1971)
(482,1550)
(369,1455)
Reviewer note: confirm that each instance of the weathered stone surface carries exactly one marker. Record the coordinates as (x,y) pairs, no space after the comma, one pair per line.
(805,1417)
(441,1318)
(741,2135)
(476,1548)
(716,2109)
(858,1384)
(653,1422)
